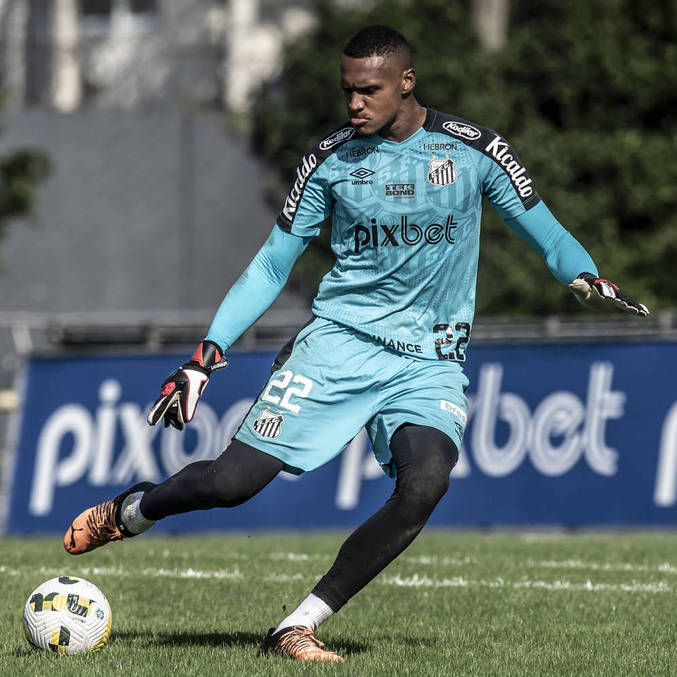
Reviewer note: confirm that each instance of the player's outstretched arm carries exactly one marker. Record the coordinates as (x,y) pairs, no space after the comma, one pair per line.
(248,299)
(600,294)
(566,257)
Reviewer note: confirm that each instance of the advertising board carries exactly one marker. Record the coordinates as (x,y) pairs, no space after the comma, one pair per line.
(571,435)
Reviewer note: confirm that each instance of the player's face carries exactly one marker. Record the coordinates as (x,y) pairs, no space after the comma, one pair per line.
(375,89)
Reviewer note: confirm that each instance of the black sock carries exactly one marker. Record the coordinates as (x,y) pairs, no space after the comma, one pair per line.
(424,457)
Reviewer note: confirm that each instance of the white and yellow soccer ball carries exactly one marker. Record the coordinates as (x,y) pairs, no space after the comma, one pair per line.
(67,615)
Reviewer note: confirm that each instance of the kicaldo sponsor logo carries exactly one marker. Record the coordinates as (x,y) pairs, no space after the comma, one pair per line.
(303,172)
(499,149)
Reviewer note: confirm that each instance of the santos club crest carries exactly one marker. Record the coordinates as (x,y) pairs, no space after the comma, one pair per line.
(442,172)
(268,424)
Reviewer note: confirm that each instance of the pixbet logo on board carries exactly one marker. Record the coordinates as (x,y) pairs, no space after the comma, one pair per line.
(110,442)
(94,439)
(561,430)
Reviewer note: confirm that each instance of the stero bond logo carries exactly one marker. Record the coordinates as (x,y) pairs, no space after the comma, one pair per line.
(464,131)
(336,138)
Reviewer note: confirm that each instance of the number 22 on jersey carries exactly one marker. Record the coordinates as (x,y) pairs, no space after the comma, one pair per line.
(281,382)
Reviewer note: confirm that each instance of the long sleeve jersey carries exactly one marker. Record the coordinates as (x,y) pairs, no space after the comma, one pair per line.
(405,225)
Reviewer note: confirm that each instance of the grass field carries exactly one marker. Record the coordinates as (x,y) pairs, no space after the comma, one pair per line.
(455,603)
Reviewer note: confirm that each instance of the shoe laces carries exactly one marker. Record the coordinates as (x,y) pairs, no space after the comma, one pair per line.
(299,640)
(101,522)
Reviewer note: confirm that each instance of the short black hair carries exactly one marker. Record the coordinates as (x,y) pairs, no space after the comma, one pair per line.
(377,41)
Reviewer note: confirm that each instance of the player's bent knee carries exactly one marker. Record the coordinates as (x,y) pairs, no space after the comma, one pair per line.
(426,482)
(425,491)
(425,456)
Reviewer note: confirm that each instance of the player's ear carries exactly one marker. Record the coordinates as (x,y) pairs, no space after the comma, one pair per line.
(408,81)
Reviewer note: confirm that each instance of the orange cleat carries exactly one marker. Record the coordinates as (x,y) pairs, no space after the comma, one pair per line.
(99,524)
(299,643)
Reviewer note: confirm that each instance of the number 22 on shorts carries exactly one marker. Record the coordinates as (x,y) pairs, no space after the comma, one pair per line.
(281,382)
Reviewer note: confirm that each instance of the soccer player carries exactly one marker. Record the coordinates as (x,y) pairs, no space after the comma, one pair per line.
(402,185)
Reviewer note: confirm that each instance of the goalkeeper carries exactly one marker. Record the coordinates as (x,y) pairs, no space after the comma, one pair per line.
(402,185)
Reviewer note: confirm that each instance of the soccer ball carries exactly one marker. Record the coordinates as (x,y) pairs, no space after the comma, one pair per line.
(68,616)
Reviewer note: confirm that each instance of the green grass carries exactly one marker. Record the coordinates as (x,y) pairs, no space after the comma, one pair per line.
(455,603)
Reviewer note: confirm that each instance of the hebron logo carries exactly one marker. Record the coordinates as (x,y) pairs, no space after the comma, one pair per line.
(518,175)
(403,233)
(303,172)
(337,137)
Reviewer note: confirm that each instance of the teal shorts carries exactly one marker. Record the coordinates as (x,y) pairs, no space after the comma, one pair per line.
(334,382)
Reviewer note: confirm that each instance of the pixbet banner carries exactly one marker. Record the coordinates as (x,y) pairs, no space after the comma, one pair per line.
(577,435)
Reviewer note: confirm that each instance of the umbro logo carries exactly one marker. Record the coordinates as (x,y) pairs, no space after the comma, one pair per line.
(362,174)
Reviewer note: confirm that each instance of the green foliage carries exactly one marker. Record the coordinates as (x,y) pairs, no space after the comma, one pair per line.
(20,171)
(457,603)
(584,91)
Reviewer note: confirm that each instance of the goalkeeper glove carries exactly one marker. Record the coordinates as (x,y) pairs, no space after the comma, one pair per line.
(600,294)
(182,389)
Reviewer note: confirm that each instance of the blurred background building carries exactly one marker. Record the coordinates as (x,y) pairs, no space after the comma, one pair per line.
(140,54)
(155,202)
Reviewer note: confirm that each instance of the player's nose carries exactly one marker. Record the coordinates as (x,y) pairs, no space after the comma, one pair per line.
(355,103)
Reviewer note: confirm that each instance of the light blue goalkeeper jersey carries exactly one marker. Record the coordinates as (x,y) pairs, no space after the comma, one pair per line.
(405,221)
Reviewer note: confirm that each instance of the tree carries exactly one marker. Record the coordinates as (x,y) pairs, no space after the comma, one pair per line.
(584,91)
(20,172)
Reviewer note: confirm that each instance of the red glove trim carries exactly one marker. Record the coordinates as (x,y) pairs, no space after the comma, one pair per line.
(213,355)
(602,279)
(168,388)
